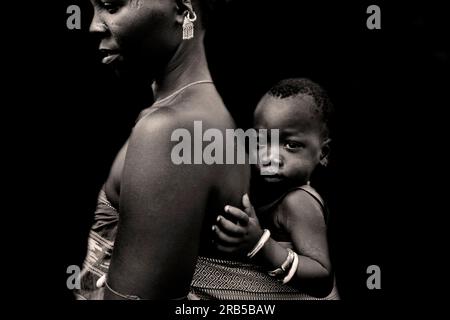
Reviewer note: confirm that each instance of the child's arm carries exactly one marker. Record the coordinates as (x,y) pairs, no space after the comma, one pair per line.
(303,220)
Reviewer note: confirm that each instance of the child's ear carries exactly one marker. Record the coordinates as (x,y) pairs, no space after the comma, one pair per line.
(325,152)
(182,7)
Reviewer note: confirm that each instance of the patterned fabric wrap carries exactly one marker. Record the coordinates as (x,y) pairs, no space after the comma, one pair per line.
(213,278)
(100,245)
(232,280)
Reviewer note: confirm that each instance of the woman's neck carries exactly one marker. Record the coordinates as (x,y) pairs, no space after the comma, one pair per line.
(187,65)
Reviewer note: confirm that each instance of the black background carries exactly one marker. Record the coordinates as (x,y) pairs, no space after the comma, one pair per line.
(387,85)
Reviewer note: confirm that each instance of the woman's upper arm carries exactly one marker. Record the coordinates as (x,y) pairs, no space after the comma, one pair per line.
(162,208)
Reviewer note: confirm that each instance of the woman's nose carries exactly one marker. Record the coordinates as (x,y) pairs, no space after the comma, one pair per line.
(97,26)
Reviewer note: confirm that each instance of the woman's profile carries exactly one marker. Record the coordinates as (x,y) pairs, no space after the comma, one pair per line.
(154,217)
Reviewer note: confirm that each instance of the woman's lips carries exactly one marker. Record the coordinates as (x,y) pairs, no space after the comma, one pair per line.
(110,58)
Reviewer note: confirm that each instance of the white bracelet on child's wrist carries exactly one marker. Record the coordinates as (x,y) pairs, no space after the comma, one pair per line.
(287,269)
(261,242)
(283,269)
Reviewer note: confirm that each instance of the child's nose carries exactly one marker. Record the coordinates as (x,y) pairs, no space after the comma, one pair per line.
(271,158)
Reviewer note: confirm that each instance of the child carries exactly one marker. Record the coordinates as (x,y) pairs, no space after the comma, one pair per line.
(288,237)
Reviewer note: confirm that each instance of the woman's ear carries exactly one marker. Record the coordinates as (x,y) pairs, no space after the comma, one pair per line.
(184,7)
(325,152)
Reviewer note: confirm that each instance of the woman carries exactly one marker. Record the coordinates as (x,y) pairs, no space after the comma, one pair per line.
(166,210)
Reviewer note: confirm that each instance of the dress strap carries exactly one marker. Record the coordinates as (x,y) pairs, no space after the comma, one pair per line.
(309,190)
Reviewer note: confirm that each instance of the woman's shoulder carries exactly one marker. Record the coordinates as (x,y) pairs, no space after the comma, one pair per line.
(165,120)
(193,95)
(196,103)
(157,121)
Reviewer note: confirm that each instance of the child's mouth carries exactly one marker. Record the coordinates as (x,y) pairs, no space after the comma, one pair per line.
(272,178)
(269,171)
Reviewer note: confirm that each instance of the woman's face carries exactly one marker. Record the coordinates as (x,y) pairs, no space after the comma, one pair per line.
(136,35)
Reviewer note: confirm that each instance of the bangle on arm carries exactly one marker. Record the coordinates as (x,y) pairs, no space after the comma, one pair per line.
(292,270)
(290,263)
(262,241)
(283,268)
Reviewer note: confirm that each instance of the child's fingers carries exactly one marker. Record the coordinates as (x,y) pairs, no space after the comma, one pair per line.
(229,227)
(238,214)
(223,237)
(246,201)
(248,206)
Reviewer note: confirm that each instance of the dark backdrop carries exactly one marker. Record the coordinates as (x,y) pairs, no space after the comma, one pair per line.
(384,83)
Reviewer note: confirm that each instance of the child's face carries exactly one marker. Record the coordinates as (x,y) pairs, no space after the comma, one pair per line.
(301,146)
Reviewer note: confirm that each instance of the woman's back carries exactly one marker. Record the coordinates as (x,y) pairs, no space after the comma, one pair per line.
(167,209)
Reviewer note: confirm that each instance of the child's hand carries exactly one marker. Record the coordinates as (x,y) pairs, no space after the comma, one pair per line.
(240,236)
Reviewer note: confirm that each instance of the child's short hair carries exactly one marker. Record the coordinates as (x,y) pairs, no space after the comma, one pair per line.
(302,86)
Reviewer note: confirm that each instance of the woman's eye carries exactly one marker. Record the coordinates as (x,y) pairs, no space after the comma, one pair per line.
(110,7)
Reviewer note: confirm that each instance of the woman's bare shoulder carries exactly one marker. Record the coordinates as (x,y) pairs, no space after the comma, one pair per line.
(202,104)
(162,120)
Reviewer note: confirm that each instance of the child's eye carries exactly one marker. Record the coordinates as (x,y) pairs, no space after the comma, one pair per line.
(293,145)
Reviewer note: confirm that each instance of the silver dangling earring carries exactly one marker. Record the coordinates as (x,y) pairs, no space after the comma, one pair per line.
(188,26)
